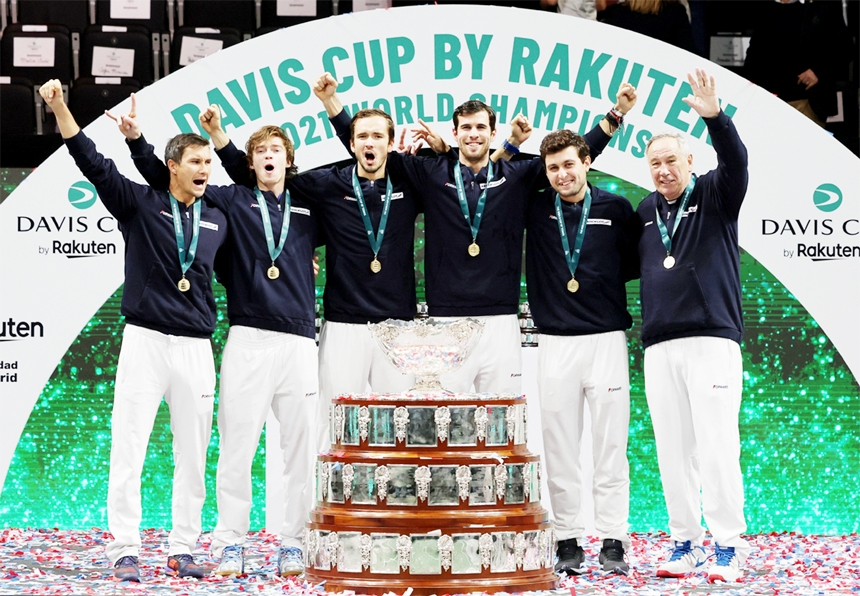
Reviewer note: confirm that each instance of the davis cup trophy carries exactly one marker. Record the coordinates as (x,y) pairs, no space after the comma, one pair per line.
(428,489)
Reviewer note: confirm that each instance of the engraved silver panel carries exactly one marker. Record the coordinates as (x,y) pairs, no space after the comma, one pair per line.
(382,429)
(504,553)
(463,430)
(466,556)
(383,554)
(497,434)
(481,486)
(349,559)
(514,491)
(364,485)
(318,488)
(351,432)
(443,486)
(531,556)
(520,424)
(425,557)
(402,489)
(335,489)
(321,560)
(421,428)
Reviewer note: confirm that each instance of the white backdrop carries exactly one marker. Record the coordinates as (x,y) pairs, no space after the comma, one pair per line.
(801,218)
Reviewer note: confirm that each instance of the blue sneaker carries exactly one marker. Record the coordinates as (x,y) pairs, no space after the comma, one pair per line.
(232,561)
(184,566)
(685,559)
(726,568)
(126,569)
(290,561)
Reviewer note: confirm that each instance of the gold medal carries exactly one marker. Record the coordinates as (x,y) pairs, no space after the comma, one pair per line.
(669,262)
(474,249)
(572,285)
(273,272)
(184,285)
(375,265)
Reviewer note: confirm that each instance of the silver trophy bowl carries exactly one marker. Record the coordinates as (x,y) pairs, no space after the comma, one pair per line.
(427,348)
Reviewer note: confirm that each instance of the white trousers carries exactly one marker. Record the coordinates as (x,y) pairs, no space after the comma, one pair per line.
(693,386)
(153,365)
(571,371)
(264,369)
(496,362)
(350,359)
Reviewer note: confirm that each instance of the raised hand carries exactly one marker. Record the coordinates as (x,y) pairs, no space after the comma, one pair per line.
(210,119)
(52,93)
(325,87)
(429,136)
(127,123)
(411,148)
(626,98)
(704,99)
(521,130)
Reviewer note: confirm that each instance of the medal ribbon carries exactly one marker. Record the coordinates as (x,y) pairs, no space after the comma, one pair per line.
(666,235)
(274,251)
(375,240)
(572,257)
(185,258)
(482,200)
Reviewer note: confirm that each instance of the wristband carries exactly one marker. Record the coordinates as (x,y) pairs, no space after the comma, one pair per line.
(615,118)
(509,148)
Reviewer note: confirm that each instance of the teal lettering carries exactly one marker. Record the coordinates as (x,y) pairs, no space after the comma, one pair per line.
(446,50)
(584,122)
(524,55)
(185,117)
(361,63)
(382,104)
(700,126)
(354,108)
(500,104)
(678,107)
(622,137)
(329,130)
(545,110)
(329,56)
(403,109)
(293,133)
(589,73)
(444,107)
(522,107)
(310,123)
(568,116)
(477,53)
(302,88)
(618,76)
(660,79)
(641,141)
(401,51)
(271,89)
(229,115)
(250,101)
(558,68)
(423,116)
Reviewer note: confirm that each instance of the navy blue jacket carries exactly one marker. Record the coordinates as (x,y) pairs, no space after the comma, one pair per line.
(701,294)
(607,261)
(459,284)
(284,304)
(150,297)
(353,293)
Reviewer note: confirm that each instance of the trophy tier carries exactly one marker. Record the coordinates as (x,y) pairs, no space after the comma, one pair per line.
(436,491)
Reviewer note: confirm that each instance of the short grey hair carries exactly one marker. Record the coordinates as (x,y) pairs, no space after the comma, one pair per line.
(679,138)
(177,145)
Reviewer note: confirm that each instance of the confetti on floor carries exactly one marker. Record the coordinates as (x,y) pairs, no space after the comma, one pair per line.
(61,562)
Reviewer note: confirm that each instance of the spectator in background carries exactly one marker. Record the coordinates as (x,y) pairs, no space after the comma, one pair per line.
(798,50)
(586,9)
(666,20)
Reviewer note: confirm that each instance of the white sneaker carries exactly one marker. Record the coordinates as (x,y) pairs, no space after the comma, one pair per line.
(726,568)
(685,559)
(232,561)
(290,561)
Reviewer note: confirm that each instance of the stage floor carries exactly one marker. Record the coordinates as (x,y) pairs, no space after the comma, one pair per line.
(73,562)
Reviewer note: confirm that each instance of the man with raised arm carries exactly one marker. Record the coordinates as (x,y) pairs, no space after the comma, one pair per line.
(580,251)
(692,325)
(474,221)
(270,358)
(171,237)
(368,221)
